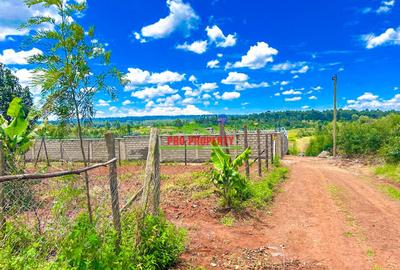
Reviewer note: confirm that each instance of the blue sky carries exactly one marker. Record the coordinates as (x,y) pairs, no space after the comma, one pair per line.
(232,56)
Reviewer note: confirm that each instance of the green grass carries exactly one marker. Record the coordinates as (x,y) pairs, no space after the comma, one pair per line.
(390,171)
(228,220)
(263,191)
(392,192)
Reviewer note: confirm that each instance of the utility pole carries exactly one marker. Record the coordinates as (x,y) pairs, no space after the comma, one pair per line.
(334,78)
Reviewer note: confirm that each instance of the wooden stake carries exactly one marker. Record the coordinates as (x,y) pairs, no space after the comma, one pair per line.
(151,184)
(45,152)
(185,151)
(113,180)
(38,153)
(266,152)
(272,149)
(246,144)
(259,152)
(119,153)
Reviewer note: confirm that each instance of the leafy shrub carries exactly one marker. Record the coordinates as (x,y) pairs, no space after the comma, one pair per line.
(161,244)
(92,246)
(231,185)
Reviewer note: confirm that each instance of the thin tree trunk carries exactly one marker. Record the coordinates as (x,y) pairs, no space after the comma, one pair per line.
(86,175)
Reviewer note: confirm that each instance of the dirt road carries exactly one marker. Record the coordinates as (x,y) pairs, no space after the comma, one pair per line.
(325,217)
(337,216)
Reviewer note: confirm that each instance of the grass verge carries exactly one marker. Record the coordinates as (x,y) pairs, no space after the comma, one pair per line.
(389,171)
(391,191)
(263,191)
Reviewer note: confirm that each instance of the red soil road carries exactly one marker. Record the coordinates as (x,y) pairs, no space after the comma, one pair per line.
(328,214)
(337,216)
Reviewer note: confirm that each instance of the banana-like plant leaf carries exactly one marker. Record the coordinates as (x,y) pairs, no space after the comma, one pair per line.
(245,155)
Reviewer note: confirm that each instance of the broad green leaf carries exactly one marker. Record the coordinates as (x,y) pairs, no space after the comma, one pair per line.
(15,107)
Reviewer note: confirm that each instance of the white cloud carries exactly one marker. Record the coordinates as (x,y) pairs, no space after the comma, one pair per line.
(14,12)
(206,96)
(312,98)
(168,101)
(136,76)
(277,94)
(113,109)
(257,57)
(305,107)
(11,57)
(291,92)
(367,96)
(152,110)
(25,77)
(213,64)
(317,88)
(240,80)
(208,86)
(216,35)
(198,47)
(103,103)
(302,70)
(230,95)
(293,99)
(390,37)
(370,101)
(284,83)
(386,6)
(181,17)
(152,92)
(235,78)
(294,68)
(220,55)
(247,85)
(126,102)
(192,78)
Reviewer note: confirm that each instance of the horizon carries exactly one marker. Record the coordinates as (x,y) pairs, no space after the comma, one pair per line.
(186,58)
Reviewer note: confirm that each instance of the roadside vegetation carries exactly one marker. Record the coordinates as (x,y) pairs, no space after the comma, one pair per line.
(366,138)
(235,190)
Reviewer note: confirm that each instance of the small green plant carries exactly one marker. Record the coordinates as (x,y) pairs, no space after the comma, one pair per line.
(231,185)
(228,220)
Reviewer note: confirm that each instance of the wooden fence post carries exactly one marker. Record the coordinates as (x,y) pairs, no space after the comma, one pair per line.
(151,184)
(272,149)
(185,151)
(119,152)
(246,144)
(61,151)
(259,152)
(2,202)
(113,179)
(266,152)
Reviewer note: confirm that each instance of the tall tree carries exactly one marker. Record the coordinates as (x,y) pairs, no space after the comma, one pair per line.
(9,89)
(73,67)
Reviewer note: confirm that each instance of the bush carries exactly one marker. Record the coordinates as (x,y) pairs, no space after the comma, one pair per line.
(92,246)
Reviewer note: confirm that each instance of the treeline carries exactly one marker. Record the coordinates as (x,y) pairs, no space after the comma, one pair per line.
(363,136)
(201,124)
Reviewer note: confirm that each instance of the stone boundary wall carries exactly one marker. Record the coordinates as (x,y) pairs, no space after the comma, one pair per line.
(172,147)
